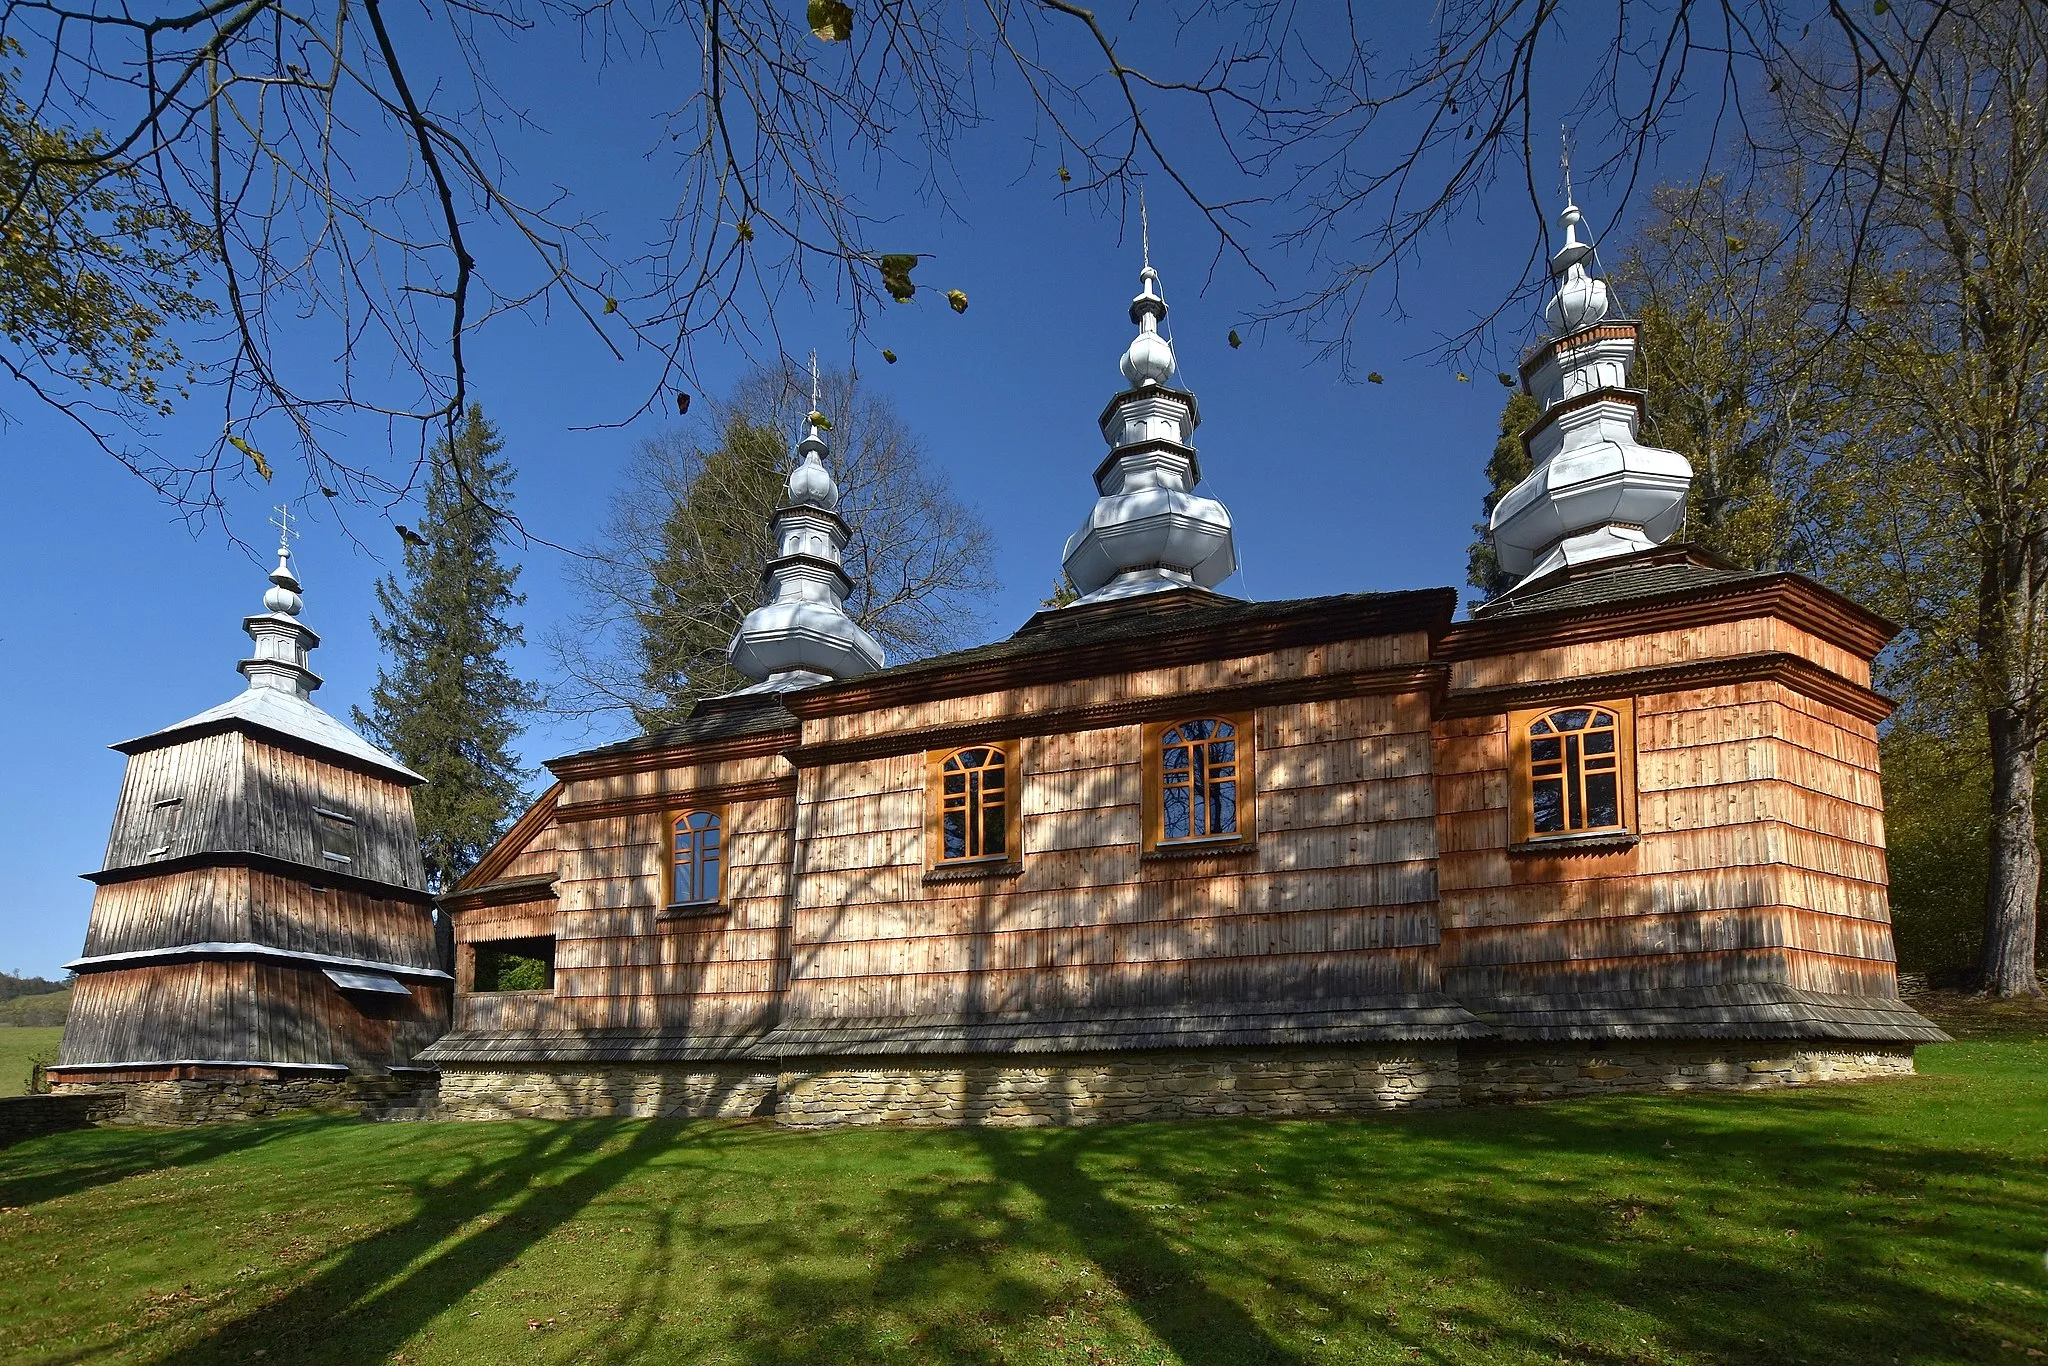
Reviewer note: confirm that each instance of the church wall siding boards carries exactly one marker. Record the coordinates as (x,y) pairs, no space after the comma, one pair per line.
(1379,899)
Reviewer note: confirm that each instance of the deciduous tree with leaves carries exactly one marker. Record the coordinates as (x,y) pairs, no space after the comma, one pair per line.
(1941,488)
(447,703)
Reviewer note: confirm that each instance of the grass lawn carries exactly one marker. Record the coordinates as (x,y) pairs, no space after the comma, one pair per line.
(17,1046)
(1891,1222)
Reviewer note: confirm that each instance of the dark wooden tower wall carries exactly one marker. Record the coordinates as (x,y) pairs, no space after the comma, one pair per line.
(262,907)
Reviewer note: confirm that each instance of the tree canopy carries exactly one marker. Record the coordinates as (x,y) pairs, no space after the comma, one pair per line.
(447,703)
(680,562)
(378,176)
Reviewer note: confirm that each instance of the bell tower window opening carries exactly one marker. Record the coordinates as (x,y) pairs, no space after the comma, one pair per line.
(165,816)
(338,843)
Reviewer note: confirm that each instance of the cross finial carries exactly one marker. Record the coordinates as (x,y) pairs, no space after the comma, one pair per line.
(1564,159)
(814,381)
(1144,230)
(283,522)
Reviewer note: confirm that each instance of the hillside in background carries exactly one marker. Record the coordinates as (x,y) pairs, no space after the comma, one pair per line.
(40,1010)
(12,986)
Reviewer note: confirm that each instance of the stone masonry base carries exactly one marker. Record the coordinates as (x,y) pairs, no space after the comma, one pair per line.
(190,1101)
(1109,1088)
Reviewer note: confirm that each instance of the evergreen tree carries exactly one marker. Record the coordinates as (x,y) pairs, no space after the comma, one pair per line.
(1505,468)
(679,565)
(707,573)
(448,704)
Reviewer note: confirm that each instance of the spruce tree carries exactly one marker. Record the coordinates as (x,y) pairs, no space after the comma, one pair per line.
(448,704)
(1508,466)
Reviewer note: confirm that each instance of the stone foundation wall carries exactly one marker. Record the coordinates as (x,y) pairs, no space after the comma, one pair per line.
(1111,1088)
(565,1091)
(1493,1075)
(187,1102)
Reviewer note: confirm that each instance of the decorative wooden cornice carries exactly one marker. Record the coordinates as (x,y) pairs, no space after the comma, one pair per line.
(1610,329)
(1793,671)
(606,764)
(1424,678)
(1798,601)
(491,867)
(1426,610)
(761,789)
(509,892)
(261,863)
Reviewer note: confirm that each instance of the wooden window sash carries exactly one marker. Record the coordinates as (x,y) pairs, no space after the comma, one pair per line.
(1245,776)
(670,892)
(935,807)
(1521,774)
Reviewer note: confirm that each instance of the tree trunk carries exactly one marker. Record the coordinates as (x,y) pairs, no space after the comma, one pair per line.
(2006,967)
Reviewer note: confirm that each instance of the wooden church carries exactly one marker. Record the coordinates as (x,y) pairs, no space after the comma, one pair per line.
(261,933)
(1166,852)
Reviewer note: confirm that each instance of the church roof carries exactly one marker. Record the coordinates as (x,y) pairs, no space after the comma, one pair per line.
(1606,583)
(278,700)
(1156,617)
(278,713)
(732,717)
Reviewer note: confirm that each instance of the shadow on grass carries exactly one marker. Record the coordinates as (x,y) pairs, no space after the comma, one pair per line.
(52,1166)
(1728,1229)
(1722,1228)
(378,1292)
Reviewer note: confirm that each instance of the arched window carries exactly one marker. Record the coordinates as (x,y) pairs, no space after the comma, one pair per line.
(974,804)
(1575,772)
(1198,770)
(696,858)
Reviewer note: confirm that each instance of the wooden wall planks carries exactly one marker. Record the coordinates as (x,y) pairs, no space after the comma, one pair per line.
(1381,862)
(1761,850)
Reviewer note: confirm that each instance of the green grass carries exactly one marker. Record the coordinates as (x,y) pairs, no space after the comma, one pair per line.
(1897,1221)
(17,1046)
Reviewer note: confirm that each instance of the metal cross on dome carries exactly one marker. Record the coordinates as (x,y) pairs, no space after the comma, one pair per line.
(283,522)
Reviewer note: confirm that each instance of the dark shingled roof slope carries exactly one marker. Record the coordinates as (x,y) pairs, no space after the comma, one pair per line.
(715,718)
(1171,613)
(1606,583)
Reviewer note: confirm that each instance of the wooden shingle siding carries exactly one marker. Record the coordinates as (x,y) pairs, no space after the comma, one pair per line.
(1761,856)
(1754,635)
(242,905)
(242,1012)
(1380,868)
(1170,686)
(1087,922)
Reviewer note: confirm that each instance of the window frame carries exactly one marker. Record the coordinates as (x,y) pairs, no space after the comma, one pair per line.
(1244,727)
(481,946)
(166,818)
(935,808)
(669,820)
(1521,784)
(326,820)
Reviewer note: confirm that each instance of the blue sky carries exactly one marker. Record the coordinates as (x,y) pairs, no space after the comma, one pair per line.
(123,619)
